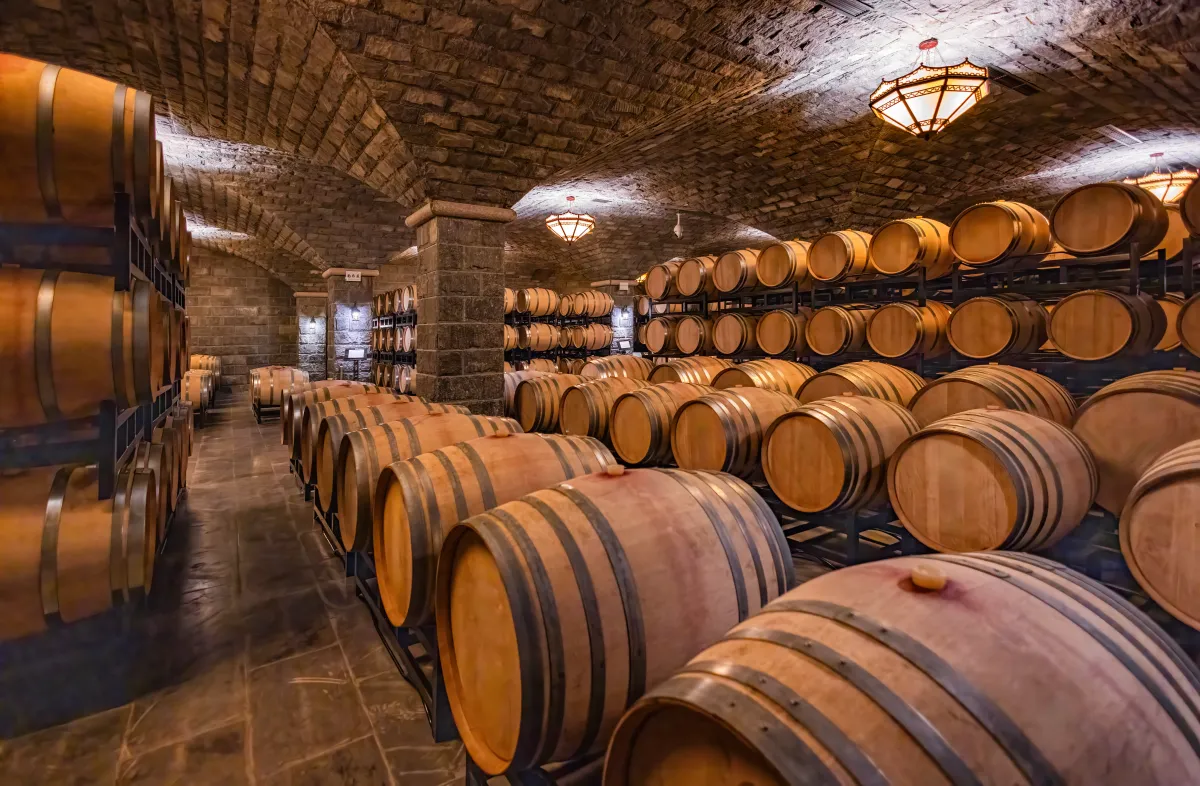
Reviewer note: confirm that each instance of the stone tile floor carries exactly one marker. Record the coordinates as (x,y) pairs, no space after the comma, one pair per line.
(253,662)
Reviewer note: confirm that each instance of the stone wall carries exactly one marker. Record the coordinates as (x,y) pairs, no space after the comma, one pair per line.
(346,298)
(311,313)
(241,313)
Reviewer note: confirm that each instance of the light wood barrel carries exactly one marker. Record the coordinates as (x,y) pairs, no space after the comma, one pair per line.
(832,454)
(548,686)
(1105,218)
(267,384)
(900,330)
(291,411)
(994,232)
(1157,530)
(769,374)
(594,303)
(511,380)
(696,370)
(567,365)
(1171,305)
(585,409)
(175,420)
(510,337)
(286,414)
(694,334)
(567,305)
(784,263)
(408,298)
(404,379)
(537,301)
(197,388)
(593,336)
(661,280)
(510,300)
(834,330)
(640,423)
(695,277)
(333,428)
(1007,387)
(72,342)
(171,444)
(1098,324)
(839,256)
(207,363)
(736,270)
(408,339)
(324,403)
(71,141)
(419,500)
(153,458)
(999,325)
(545,365)
(734,333)
(864,378)
(1127,425)
(363,454)
(660,334)
(821,687)
(617,366)
(1187,324)
(908,245)
(781,332)
(989,479)
(538,336)
(724,430)
(536,405)
(68,554)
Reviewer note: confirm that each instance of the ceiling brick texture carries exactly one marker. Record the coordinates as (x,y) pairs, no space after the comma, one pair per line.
(303,132)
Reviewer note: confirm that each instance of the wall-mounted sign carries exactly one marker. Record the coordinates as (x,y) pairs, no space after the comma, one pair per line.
(354,275)
(356,354)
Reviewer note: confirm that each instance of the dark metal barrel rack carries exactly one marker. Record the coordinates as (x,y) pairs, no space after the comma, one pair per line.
(518,355)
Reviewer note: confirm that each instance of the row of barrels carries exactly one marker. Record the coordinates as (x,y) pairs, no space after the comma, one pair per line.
(268,383)
(1089,325)
(402,300)
(402,338)
(400,377)
(540,336)
(542,302)
(559,365)
(1092,220)
(70,555)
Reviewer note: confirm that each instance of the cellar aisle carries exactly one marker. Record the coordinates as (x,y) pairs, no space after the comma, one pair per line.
(256,664)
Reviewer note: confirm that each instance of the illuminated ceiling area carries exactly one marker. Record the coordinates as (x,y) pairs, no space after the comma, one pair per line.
(302,134)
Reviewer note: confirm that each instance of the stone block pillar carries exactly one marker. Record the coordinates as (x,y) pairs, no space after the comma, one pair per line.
(310,319)
(343,331)
(460,304)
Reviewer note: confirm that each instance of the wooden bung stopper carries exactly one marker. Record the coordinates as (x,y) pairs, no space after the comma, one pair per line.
(614,470)
(928,577)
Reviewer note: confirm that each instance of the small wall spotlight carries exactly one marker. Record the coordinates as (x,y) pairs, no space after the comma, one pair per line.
(312,324)
(354,314)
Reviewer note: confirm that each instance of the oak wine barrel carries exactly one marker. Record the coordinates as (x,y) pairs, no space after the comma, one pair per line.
(735,332)
(1099,324)
(567,365)
(640,422)
(839,256)
(924,670)
(585,409)
(408,298)
(695,370)
(1106,218)
(593,336)
(511,380)
(864,378)
(536,403)
(510,300)
(979,387)
(538,336)
(153,458)
(832,454)
(908,245)
(417,501)
(784,263)
(325,404)
(694,334)
(989,479)
(768,374)
(736,270)
(1187,325)
(995,232)
(363,454)
(660,334)
(695,277)
(724,430)
(268,383)
(326,390)
(661,280)
(537,302)
(207,363)
(900,330)
(781,332)
(510,337)
(289,396)
(998,325)
(617,366)
(545,365)
(1189,209)
(528,687)
(834,330)
(197,388)
(1171,304)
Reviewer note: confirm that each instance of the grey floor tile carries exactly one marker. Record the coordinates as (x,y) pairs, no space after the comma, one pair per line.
(216,757)
(286,626)
(80,753)
(357,764)
(214,698)
(396,711)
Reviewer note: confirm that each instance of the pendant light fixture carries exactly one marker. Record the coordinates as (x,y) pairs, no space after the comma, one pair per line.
(1167,186)
(929,98)
(570,226)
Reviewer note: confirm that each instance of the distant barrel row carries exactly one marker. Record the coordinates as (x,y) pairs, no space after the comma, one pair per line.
(542,302)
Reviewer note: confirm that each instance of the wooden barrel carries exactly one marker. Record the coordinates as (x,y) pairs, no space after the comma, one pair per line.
(1105,218)
(696,370)
(290,397)
(822,686)
(735,332)
(593,336)
(832,454)
(1187,325)
(417,501)
(207,363)
(595,550)
(169,439)
(1189,209)
(695,277)
(538,336)
(594,303)
(998,325)
(864,378)
(405,379)
(770,374)
(174,420)
(408,339)
(660,334)
(989,479)
(510,337)
(908,245)
(542,364)
(1098,324)
(537,301)
(333,428)
(153,458)
(839,256)
(994,232)
(1171,305)
(72,342)
(662,280)
(71,141)
(408,298)
(617,366)
(267,384)
(323,404)
(69,554)
(1157,531)
(640,422)
(511,380)
(586,408)
(784,263)
(834,330)
(724,430)
(1007,387)
(197,389)
(900,330)
(536,402)
(694,334)
(736,270)
(510,300)
(363,454)
(781,332)
(1127,425)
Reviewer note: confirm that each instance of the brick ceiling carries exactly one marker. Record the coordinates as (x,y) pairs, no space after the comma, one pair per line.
(303,131)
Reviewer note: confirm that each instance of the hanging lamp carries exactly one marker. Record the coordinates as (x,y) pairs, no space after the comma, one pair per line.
(929,98)
(1167,186)
(570,226)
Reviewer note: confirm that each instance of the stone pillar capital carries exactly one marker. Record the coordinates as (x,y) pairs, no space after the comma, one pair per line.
(440,208)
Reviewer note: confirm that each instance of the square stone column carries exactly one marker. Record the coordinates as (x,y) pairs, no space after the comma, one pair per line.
(310,319)
(343,331)
(460,304)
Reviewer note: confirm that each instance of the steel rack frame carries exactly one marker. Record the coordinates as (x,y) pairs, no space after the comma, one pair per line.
(538,776)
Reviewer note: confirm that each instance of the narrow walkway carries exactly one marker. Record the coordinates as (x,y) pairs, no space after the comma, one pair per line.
(254,663)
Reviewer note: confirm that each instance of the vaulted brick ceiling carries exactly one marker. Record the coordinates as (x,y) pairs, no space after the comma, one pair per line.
(303,131)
